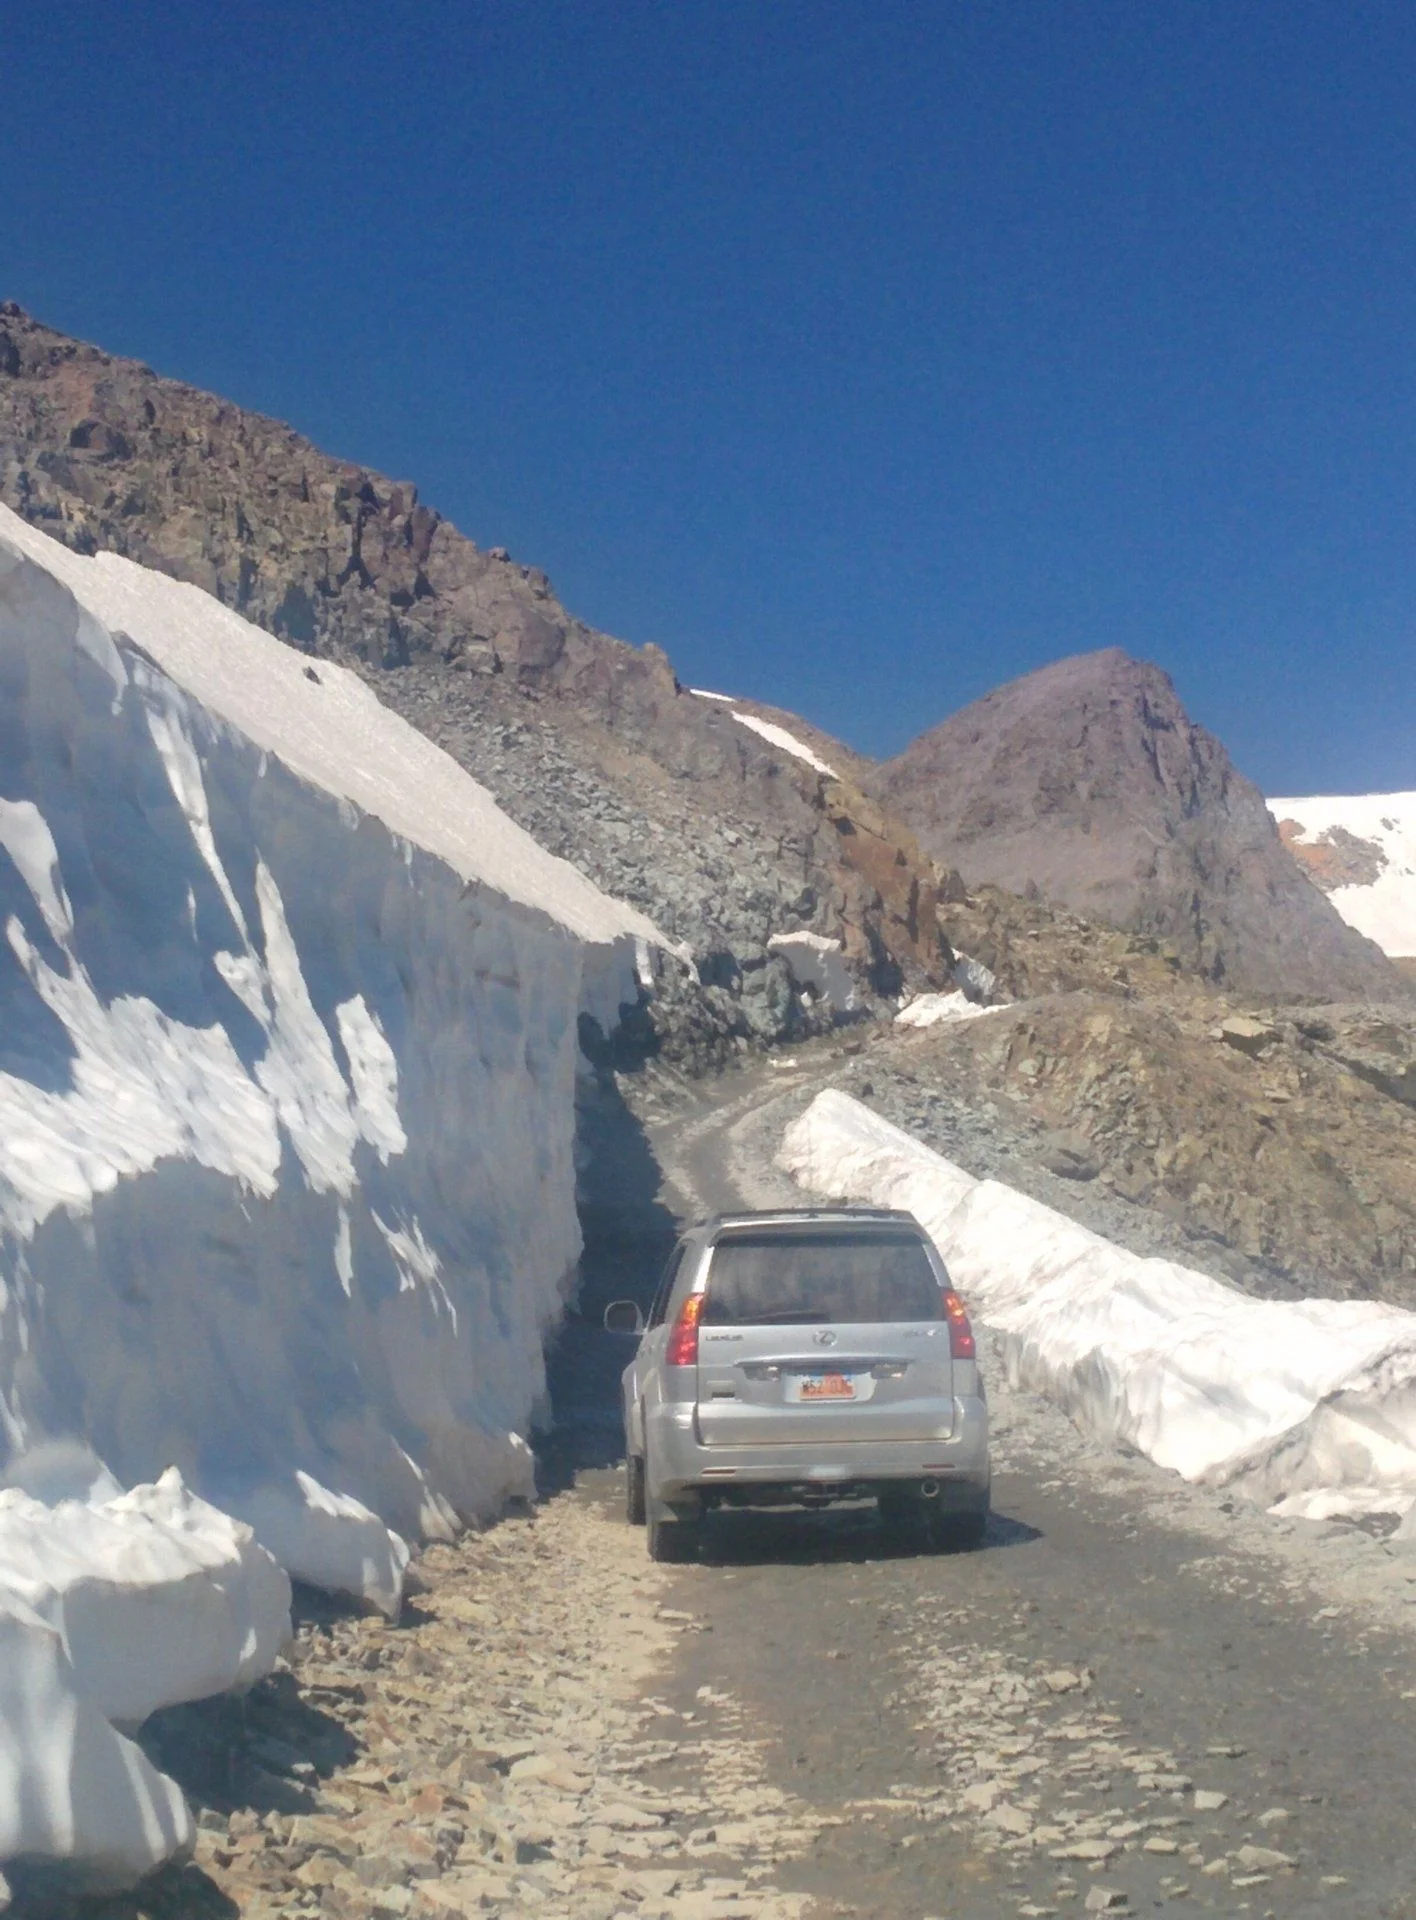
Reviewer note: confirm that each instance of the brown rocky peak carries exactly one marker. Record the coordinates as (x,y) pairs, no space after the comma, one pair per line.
(104,453)
(1089,782)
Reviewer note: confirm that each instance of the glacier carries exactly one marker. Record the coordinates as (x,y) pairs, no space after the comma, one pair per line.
(1308,1406)
(288,1049)
(1383,826)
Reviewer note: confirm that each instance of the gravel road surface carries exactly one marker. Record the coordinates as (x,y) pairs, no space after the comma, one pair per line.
(1137,1697)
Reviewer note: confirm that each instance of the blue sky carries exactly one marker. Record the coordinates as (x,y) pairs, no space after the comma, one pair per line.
(862,355)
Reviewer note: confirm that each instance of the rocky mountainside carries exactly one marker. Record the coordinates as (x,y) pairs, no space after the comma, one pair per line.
(1089,783)
(731,823)
(661,797)
(1274,1146)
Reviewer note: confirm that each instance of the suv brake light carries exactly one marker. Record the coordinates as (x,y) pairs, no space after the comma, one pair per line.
(682,1350)
(961,1338)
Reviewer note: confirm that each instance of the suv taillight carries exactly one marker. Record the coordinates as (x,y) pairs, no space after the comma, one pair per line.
(961,1339)
(682,1350)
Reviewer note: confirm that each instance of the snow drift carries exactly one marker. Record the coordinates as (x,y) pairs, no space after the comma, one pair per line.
(818,966)
(1307,1405)
(72,1788)
(156,1596)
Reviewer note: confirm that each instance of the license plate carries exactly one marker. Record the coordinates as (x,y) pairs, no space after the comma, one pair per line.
(827,1386)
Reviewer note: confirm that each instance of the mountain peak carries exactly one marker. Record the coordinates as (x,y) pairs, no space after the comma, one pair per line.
(1089,781)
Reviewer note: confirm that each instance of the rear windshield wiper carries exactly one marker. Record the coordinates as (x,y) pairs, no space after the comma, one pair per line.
(786,1316)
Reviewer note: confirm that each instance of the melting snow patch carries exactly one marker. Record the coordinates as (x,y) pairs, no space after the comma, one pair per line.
(1309,1403)
(939,1009)
(977,980)
(818,962)
(769,731)
(779,737)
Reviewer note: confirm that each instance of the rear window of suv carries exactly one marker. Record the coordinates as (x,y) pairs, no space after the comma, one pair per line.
(800,1279)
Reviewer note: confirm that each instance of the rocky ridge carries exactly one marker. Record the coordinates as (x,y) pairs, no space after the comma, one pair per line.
(1088,783)
(591,743)
(1270,1144)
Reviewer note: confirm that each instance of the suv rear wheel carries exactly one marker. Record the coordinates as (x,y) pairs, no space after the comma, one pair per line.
(955,1532)
(634,1490)
(675,1540)
(901,1509)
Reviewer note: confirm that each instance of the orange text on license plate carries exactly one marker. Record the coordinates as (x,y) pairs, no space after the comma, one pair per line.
(827,1386)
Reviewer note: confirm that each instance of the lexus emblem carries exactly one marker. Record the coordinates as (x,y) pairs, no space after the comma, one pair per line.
(824,1339)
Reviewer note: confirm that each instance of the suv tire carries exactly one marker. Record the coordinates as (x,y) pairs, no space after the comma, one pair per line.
(673,1540)
(634,1489)
(901,1510)
(957,1532)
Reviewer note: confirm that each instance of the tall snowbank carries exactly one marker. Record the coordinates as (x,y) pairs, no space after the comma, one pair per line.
(1308,1405)
(288,1042)
(287,1054)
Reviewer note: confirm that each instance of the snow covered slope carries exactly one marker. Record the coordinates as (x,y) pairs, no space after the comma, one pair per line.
(1310,1405)
(1361,850)
(287,1052)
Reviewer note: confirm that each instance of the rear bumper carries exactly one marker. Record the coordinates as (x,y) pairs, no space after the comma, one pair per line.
(681,1471)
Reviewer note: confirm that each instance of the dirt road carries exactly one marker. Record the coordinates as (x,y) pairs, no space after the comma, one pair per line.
(1137,1697)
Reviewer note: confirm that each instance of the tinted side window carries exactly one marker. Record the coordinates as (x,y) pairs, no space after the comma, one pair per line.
(666,1287)
(761,1279)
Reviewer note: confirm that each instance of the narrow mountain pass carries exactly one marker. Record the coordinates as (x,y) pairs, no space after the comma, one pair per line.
(1137,1697)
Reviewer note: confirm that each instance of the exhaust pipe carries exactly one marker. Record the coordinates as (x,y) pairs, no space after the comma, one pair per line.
(929,1489)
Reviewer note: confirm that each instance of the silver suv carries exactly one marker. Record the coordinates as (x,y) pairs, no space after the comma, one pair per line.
(802,1358)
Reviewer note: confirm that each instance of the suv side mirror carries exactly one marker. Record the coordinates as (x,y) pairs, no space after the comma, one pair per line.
(623,1316)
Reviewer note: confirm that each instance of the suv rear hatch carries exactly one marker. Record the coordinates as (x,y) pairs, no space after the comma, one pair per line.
(822,1334)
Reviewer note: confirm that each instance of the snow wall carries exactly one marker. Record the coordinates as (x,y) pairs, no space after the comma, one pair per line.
(1308,1406)
(287,1054)
(288,1047)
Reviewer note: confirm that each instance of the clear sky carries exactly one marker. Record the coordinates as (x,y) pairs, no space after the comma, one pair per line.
(862,354)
